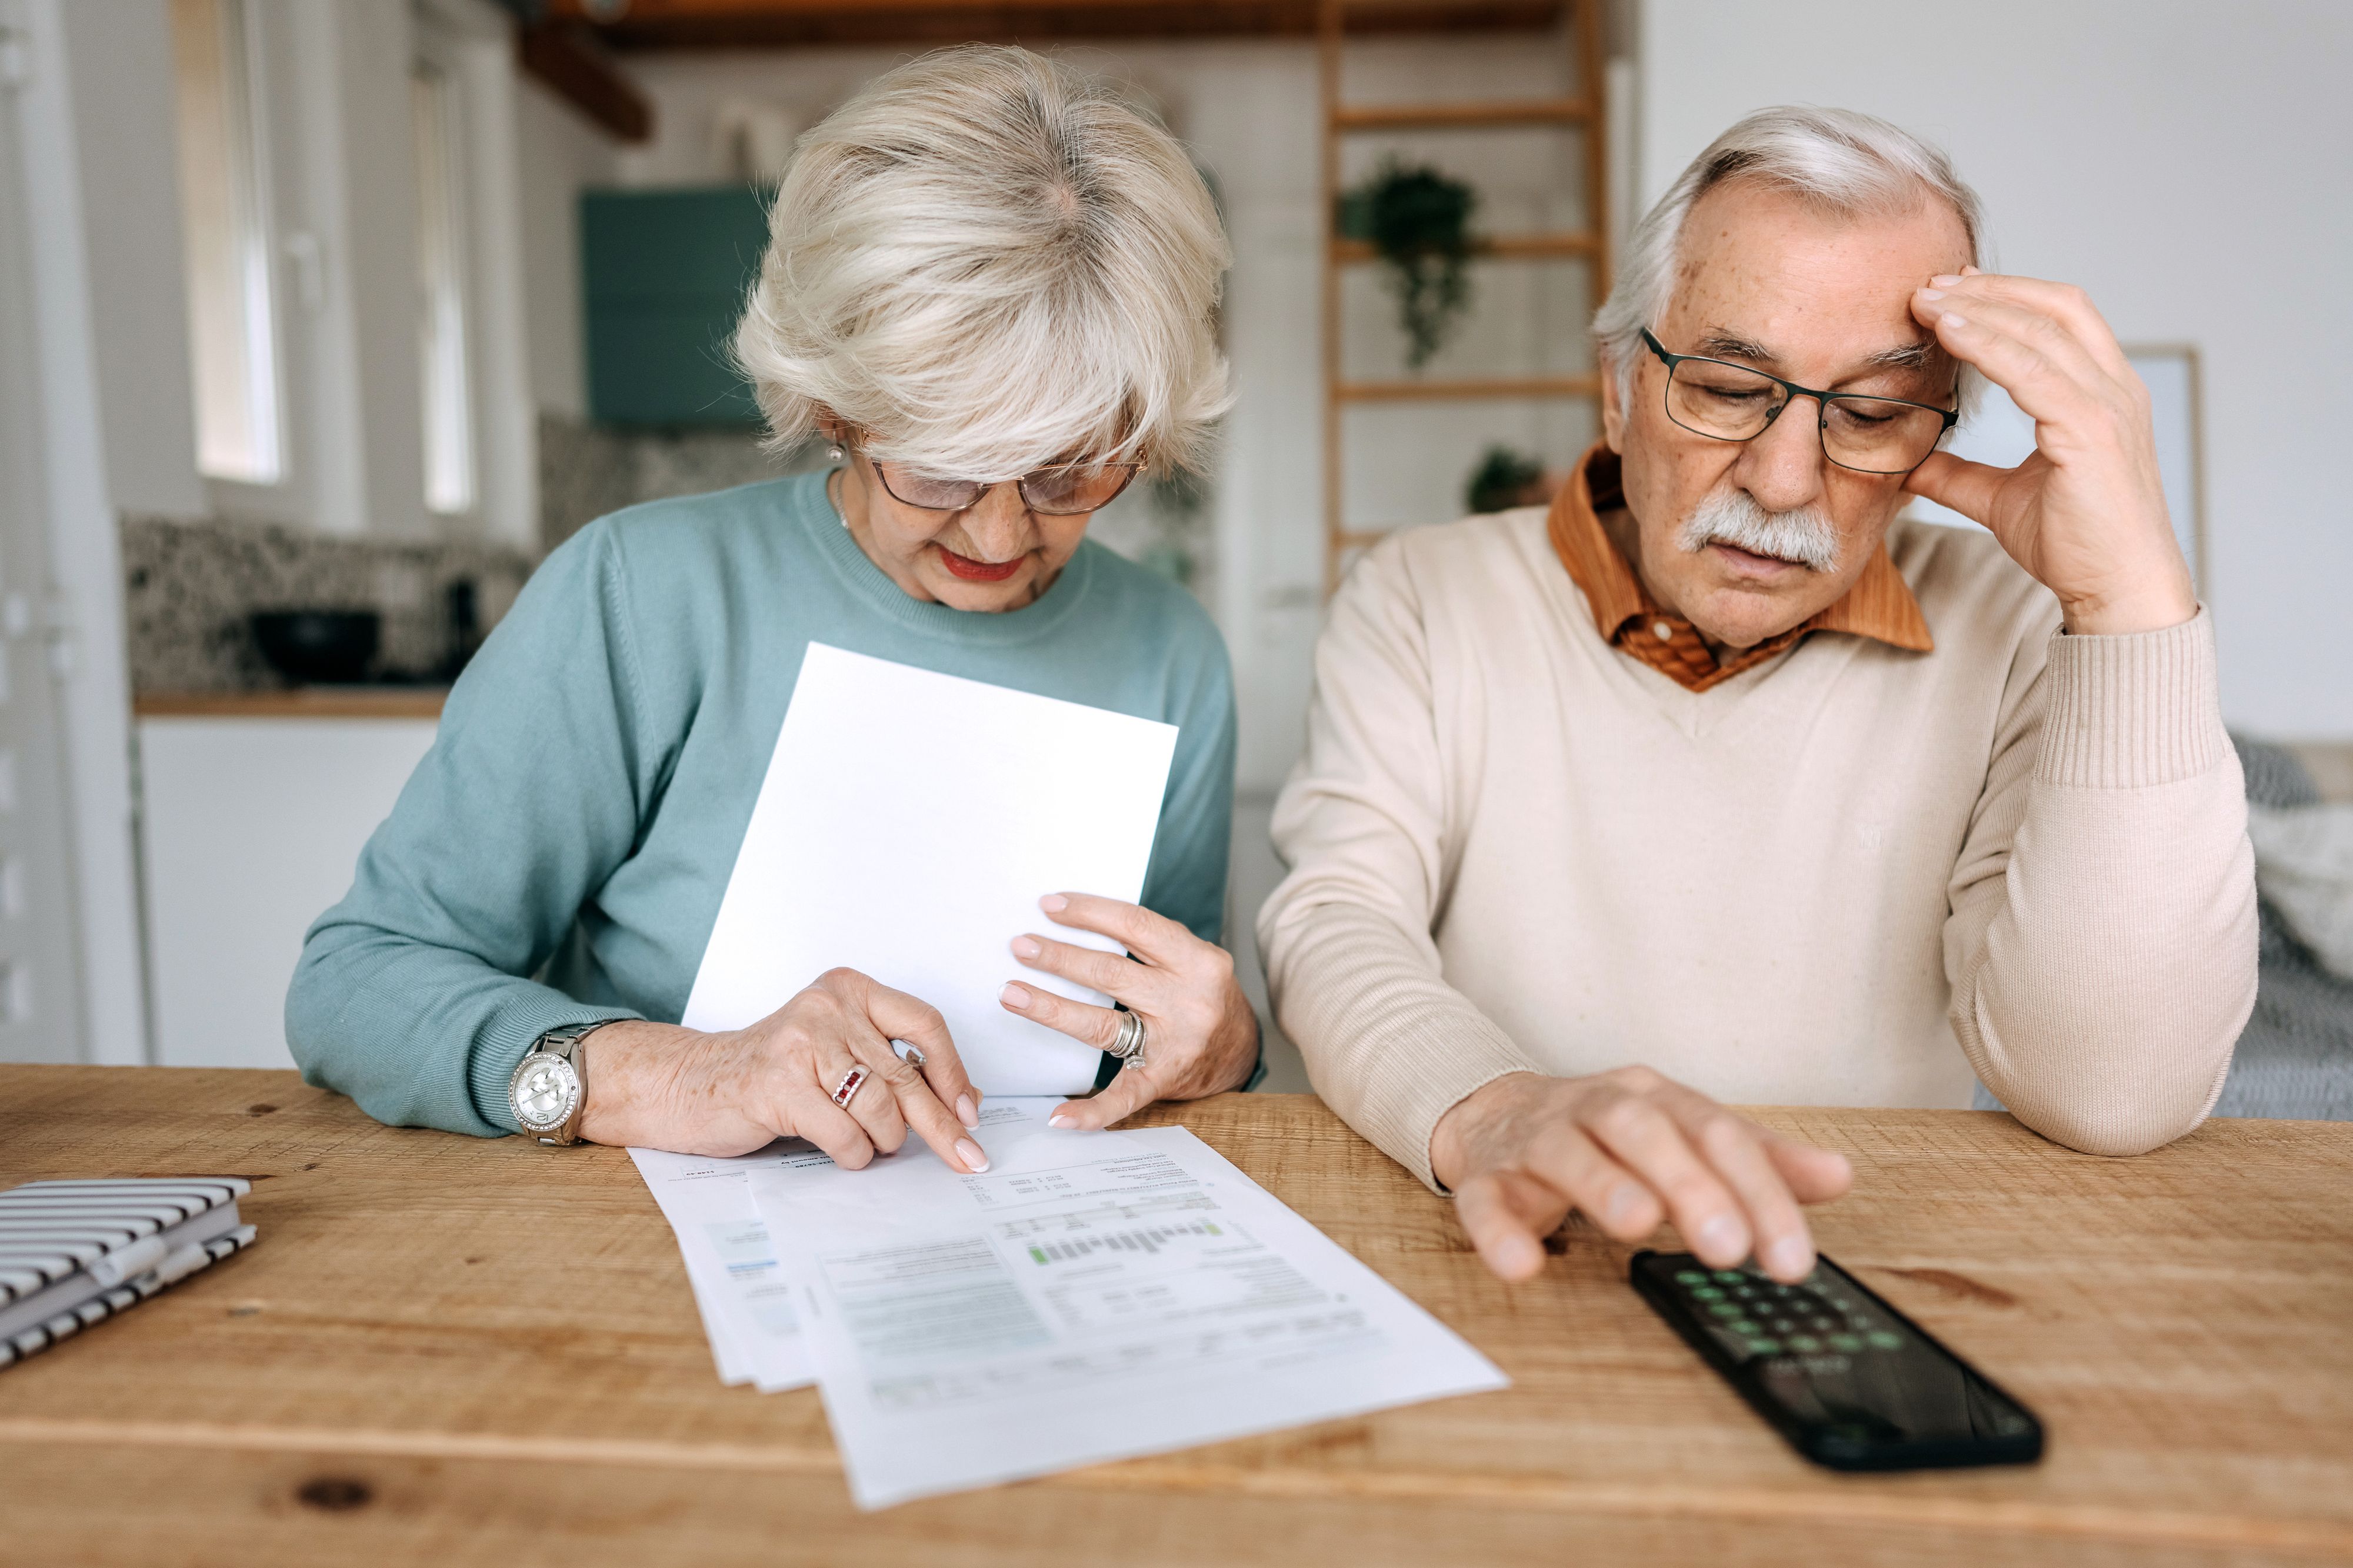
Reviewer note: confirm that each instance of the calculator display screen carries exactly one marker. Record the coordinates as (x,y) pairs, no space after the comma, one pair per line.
(1832,1357)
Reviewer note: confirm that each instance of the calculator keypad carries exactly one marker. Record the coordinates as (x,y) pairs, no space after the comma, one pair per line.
(1754,1315)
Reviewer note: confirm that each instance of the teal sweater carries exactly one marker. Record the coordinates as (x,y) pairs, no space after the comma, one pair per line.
(559,856)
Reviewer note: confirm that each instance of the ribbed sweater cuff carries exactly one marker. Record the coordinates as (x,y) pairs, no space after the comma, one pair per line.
(509,1037)
(2129,711)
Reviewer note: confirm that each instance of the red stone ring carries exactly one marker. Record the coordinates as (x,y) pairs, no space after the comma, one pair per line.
(847,1089)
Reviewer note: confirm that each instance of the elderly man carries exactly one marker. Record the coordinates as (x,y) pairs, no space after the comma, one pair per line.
(1721,783)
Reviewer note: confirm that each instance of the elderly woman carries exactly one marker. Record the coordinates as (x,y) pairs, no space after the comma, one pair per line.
(989,285)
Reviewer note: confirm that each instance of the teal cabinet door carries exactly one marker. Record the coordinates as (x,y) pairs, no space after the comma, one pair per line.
(664,275)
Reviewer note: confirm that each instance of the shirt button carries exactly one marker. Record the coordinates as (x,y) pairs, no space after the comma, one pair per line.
(1662,631)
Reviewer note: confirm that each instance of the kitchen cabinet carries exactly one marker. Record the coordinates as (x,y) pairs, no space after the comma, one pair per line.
(249,828)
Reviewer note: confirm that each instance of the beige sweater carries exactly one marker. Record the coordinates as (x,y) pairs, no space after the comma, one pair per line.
(1851,875)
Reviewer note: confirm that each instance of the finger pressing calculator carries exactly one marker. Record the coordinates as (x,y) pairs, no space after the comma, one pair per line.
(1851,1382)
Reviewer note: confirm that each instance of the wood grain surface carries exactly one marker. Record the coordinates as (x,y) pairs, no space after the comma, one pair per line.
(471,1352)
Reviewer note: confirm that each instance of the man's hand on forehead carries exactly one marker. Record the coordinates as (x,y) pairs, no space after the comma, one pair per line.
(2085,513)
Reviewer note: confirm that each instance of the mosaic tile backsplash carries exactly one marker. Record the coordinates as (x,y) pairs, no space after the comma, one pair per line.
(189,587)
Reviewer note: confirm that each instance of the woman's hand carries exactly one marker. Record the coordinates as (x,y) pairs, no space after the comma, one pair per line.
(1200,1035)
(658,1086)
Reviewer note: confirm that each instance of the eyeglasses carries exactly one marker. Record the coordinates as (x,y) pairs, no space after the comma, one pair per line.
(1058,490)
(1727,402)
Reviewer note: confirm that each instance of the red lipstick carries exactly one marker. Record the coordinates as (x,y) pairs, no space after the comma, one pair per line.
(972,571)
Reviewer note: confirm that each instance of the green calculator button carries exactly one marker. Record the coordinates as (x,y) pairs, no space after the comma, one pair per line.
(1884,1341)
(1690,1277)
(1765,1347)
(1847,1343)
(1706,1293)
(1742,1326)
(1804,1342)
(1731,1276)
(1723,1308)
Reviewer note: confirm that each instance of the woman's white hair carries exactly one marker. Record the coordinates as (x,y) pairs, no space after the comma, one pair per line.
(986,262)
(1835,159)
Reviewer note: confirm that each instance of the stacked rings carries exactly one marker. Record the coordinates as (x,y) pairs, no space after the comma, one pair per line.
(847,1089)
(1128,1046)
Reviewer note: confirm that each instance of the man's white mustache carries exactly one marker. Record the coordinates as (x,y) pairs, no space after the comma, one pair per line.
(1731,516)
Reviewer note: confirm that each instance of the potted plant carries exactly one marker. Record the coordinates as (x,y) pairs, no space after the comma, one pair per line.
(1418,220)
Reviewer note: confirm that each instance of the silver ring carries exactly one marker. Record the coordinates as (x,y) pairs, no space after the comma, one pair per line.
(1129,1044)
(910,1054)
(847,1089)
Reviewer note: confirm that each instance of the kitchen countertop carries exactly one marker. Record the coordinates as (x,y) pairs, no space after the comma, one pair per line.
(297,702)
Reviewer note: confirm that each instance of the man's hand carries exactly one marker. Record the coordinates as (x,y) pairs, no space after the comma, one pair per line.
(2084,514)
(1629,1148)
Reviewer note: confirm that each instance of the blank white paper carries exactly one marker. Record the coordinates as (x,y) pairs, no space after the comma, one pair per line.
(908,825)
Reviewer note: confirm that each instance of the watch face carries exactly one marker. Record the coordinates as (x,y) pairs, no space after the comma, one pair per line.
(545,1091)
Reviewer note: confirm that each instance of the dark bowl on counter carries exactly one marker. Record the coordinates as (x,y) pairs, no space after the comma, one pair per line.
(319,647)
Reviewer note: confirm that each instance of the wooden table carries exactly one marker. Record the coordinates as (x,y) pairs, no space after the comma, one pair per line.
(462,1352)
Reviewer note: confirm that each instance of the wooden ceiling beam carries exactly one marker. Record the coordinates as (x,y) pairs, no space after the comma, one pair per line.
(780,23)
(573,64)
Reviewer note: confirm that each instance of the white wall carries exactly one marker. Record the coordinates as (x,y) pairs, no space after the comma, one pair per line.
(111,341)
(2189,165)
(560,154)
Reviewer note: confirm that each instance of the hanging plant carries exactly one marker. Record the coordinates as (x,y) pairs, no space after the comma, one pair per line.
(1418,222)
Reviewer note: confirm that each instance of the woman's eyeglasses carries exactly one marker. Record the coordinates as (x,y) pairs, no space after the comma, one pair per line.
(1728,402)
(1058,490)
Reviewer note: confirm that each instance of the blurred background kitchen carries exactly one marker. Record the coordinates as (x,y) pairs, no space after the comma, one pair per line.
(321,320)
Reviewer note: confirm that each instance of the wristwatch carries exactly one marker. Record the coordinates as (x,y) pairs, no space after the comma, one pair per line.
(550,1085)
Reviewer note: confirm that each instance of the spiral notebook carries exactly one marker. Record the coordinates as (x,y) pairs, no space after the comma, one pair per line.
(75,1253)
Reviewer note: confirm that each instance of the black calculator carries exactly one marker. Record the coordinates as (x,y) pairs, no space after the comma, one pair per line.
(1851,1382)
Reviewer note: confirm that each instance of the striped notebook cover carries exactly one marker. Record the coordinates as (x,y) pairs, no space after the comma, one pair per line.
(75,1253)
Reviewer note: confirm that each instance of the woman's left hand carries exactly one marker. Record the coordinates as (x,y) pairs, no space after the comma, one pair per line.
(1200,1035)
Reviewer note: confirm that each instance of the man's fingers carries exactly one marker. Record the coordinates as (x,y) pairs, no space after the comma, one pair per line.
(1122,1098)
(1506,1218)
(898,1017)
(1150,937)
(1647,1141)
(1815,1175)
(2063,301)
(1613,1198)
(1082,1021)
(2040,364)
(1734,1149)
(1973,490)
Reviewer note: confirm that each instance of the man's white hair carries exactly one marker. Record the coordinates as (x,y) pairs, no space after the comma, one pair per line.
(985,262)
(1835,159)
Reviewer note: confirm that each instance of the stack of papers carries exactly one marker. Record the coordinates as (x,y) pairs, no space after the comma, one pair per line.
(1091,1296)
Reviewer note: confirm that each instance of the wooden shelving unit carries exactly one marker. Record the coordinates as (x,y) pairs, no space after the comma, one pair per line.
(1582,113)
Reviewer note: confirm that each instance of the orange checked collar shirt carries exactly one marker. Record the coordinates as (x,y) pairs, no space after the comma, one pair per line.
(1879,605)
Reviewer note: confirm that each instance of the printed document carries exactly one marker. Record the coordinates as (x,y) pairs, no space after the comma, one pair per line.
(746,1303)
(908,825)
(1091,1296)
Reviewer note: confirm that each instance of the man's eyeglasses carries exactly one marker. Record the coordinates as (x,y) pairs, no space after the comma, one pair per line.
(1729,402)
(1058,490)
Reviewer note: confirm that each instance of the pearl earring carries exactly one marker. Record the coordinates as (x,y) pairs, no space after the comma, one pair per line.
(833,453)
